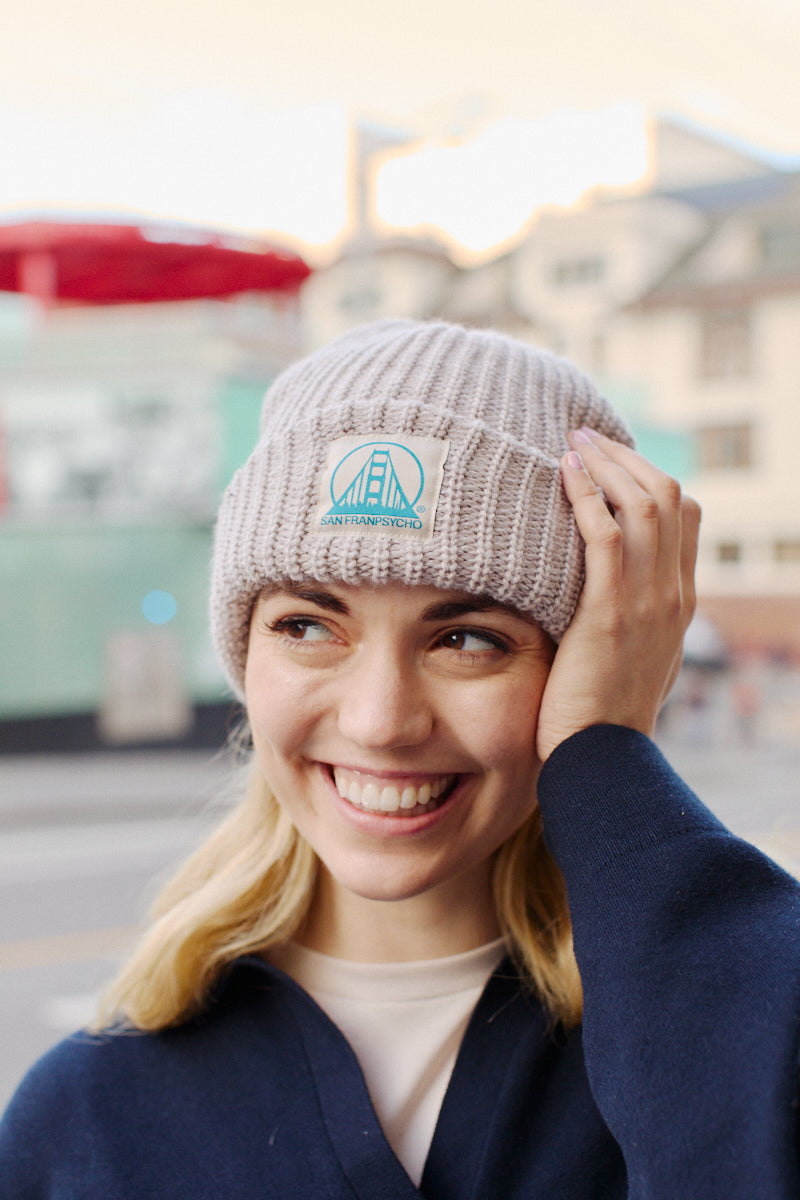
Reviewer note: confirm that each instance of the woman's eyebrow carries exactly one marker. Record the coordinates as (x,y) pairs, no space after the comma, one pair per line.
(449,610)
(311,595)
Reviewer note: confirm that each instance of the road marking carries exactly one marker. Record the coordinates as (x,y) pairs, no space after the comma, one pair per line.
(65,947)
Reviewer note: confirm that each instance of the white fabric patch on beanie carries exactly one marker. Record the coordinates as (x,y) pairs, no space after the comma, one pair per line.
(381,486)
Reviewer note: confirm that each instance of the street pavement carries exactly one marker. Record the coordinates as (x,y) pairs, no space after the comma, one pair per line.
(85,841)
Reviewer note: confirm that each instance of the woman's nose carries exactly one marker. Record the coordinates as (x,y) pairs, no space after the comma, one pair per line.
(383,705)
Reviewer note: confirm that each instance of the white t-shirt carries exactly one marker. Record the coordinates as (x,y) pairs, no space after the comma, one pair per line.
(405,1022)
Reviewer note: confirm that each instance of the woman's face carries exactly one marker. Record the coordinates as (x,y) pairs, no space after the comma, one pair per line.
(396,726)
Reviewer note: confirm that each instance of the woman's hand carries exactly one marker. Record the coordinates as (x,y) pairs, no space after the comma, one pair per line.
(621,653)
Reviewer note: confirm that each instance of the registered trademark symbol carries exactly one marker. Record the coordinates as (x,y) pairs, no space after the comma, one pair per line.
(420,508)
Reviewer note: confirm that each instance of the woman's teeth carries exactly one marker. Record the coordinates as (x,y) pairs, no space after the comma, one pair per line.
(382,797)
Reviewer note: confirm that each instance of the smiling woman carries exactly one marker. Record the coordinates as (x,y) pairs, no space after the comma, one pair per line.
(396,726)
(465,930)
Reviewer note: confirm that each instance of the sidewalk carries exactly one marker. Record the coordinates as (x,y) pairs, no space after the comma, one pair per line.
(61,789)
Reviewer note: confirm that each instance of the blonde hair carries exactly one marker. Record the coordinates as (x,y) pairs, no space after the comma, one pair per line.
(249,886)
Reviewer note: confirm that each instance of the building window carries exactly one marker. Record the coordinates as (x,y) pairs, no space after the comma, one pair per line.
(725,344)
(780,245)
(360,301)
(725,447)
(787,550)
(729,552)
(576,272)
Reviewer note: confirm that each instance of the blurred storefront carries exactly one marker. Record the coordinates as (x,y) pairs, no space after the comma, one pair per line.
(121,419)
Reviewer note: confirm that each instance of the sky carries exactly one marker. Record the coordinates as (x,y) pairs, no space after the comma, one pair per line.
(235,113)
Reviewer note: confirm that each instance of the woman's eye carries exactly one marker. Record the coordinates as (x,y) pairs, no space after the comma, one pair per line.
(470,641)
(302,629)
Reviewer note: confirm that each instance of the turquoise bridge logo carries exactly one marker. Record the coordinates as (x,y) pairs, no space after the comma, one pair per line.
(381,486)
(377,484)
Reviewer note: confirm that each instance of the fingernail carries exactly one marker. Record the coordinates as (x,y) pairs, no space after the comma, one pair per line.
(582,437)
(574,460)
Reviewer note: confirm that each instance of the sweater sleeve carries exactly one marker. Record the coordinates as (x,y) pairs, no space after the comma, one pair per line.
(687,942)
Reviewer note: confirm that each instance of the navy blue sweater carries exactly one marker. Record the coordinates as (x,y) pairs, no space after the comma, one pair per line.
(681,1084)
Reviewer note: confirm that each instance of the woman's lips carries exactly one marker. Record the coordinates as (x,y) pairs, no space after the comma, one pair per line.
(404,796)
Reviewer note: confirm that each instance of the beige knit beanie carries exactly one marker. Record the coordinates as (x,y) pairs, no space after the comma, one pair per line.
(410,452)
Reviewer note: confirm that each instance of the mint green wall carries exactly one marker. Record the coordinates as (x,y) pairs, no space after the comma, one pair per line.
(671,450)
(65,590)
(240,409)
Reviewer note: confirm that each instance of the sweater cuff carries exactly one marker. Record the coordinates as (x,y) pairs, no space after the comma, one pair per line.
(608,790)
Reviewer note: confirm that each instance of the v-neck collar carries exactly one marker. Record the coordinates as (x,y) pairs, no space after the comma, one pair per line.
(501,1017)
(500,1025)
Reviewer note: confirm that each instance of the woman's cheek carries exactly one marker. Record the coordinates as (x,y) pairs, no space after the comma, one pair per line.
(500,726)
(279,711)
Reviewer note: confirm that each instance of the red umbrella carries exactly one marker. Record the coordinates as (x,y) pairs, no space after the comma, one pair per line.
(122,264)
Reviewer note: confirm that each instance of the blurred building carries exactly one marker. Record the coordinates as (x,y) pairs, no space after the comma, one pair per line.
(682,299)
(119,427)
(120,424)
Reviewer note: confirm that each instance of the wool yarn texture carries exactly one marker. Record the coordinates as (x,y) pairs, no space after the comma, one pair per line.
(419,453)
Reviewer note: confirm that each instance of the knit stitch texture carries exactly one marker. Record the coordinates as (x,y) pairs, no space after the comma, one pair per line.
(499,409)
